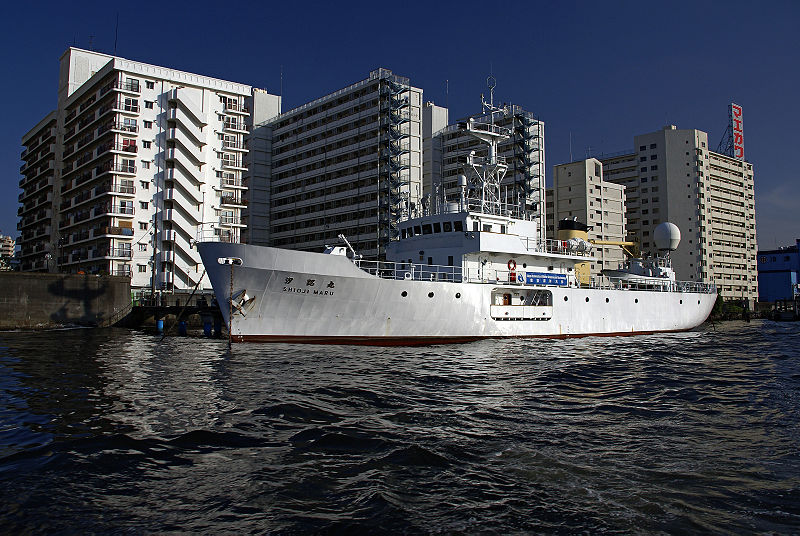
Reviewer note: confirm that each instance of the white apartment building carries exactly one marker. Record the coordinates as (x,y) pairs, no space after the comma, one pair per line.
(579,191)
(136,163)
(523,153)
(349,162)
(673,176)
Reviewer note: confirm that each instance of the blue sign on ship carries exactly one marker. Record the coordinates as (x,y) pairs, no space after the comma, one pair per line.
(536,278)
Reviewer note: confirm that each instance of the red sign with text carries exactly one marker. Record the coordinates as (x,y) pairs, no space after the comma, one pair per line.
(738,131)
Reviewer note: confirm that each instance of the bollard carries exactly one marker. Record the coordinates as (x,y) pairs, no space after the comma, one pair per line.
(160,325)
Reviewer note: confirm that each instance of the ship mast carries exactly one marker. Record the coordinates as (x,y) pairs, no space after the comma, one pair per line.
(484,175)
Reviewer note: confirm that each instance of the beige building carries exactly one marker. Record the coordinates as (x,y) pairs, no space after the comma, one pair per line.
(349,162)
(136,162)
(579,191)
(7,245)
(673,176)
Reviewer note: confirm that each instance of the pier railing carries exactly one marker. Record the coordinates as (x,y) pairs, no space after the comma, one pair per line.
(457,274)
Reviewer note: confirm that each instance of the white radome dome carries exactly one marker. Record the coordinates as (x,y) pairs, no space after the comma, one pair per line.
(667,236)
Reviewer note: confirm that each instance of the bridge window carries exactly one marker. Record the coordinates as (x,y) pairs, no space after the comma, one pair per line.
(426,229)
(437,227)
(448,227)
(458,226)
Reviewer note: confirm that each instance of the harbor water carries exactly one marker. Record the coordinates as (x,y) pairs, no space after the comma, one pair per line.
(116,431)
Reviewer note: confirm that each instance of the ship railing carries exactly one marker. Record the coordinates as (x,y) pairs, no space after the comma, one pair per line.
(559,247)
(456,274)
(411,271)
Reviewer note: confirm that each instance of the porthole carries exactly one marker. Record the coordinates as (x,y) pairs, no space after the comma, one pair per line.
(681,301)
(404,294)
(524,265)
(587,299)
(458,295)
(636,300)
(698,302)
(606,300)
(566,298)
(430,294)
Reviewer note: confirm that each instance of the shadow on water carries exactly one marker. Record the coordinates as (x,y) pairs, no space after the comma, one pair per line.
(109,430)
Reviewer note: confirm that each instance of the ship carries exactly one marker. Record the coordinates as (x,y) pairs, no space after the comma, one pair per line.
(468,264)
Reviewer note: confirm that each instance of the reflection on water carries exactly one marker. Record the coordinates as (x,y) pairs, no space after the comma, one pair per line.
(102,430)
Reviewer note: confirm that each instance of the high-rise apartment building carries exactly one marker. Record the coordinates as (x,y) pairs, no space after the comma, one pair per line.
(7,245)
(674,176)
(135,163)
(349,162)
(579,191)
(522,152)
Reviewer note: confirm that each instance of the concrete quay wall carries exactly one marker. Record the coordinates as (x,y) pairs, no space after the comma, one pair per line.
(40,301)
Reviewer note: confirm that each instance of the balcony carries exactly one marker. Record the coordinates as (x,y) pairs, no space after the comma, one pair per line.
(235,126)
(231,163)
(233,221)
(232,183)
(123,128)
(132,86)
(125,169)
(232,200)
(234,146)
(122,190)
(114,231)
(168,236)
(127,108)
(234,107)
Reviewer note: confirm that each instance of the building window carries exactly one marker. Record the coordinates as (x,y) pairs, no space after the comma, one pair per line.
(143,204)
(653,156)
(142,247)
(643,147)
(142,225)
(653,168)
(145,164)
(144,185)
(652,145)
(148,104)
(150,85)
(642,159)
(148,124)
(147,144)
(142,268)
(643,170)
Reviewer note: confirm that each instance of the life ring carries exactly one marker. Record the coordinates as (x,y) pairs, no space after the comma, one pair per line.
(512,265)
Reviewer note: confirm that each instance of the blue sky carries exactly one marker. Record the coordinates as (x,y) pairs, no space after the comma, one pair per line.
(600,71)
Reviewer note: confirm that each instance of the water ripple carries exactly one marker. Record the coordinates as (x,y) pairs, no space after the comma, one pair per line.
(114,431)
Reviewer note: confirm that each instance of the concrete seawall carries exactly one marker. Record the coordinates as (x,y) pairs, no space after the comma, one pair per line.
(39,301)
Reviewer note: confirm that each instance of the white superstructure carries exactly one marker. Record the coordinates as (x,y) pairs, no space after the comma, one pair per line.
(470,264)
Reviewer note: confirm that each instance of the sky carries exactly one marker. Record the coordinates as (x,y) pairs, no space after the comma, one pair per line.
(597,73)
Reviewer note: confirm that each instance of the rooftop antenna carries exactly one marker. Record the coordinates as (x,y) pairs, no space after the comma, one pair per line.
(281,88)
(91,43)
(447,93)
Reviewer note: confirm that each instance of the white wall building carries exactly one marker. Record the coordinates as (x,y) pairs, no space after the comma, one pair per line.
(144,159)
(579,191)
(673,176)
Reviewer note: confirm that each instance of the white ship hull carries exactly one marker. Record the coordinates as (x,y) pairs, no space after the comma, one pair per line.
(294,296)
